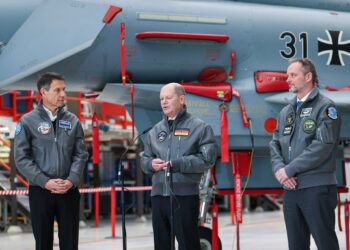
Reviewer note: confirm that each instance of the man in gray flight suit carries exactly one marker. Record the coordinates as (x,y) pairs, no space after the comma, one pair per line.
(303,155)
(50,153)
(186,146)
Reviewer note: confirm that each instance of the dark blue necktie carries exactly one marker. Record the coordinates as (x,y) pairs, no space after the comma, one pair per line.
(299,103)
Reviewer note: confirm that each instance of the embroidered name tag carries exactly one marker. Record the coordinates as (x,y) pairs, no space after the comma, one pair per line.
(305,112)
(287,130)
(182,132)
(64,124)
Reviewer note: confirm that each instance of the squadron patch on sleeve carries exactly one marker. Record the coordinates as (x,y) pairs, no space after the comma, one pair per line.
(309,126)
(18,128)
(161,136)
(332,113)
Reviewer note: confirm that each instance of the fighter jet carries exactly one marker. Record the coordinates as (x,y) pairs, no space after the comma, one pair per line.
(231,56)
(237,51)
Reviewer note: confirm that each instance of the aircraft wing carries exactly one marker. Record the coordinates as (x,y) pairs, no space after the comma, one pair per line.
(53,32)
(145,95)
(341,98)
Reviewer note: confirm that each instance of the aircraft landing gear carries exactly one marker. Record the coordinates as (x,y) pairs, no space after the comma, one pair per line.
(205,239)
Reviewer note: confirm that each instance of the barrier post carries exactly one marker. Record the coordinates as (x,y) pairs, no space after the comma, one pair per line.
(346,212)
(96,149)
(113,211)
(232,208)
(97,208)
(237,193)
(215,227)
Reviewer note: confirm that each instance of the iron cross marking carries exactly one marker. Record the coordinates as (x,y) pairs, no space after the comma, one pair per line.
(334,47)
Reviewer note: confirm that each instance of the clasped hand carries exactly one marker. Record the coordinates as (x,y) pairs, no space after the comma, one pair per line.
(282,177)
(159,165)
(58,186)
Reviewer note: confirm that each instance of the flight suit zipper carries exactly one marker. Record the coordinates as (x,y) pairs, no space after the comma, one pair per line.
(289,152)
(58,156)
(294,128)
(178,148)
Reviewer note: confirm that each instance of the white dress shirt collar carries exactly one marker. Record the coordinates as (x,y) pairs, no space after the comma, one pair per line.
(49,113)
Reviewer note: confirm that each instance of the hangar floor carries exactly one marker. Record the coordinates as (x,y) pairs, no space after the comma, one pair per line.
(261,230)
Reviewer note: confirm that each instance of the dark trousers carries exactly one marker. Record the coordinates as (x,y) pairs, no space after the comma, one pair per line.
(186,210)
(311,211)
(44,208)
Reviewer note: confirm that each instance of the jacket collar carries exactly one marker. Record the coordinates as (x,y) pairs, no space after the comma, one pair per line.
(313,94)
(41,109)
(180,115)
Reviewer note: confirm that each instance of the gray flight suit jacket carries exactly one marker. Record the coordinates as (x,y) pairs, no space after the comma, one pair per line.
(191,147)
(305,142)
(42,154)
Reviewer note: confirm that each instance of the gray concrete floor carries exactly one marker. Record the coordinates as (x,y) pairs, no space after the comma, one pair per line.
(260,230)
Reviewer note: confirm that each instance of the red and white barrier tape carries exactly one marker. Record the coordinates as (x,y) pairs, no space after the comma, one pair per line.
(14,192)
(95,190)
(81,190)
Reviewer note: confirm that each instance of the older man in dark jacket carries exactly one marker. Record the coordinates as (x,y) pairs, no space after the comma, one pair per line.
(186,146)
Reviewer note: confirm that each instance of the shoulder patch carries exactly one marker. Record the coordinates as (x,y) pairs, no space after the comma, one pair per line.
(18,128)
(332,113)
